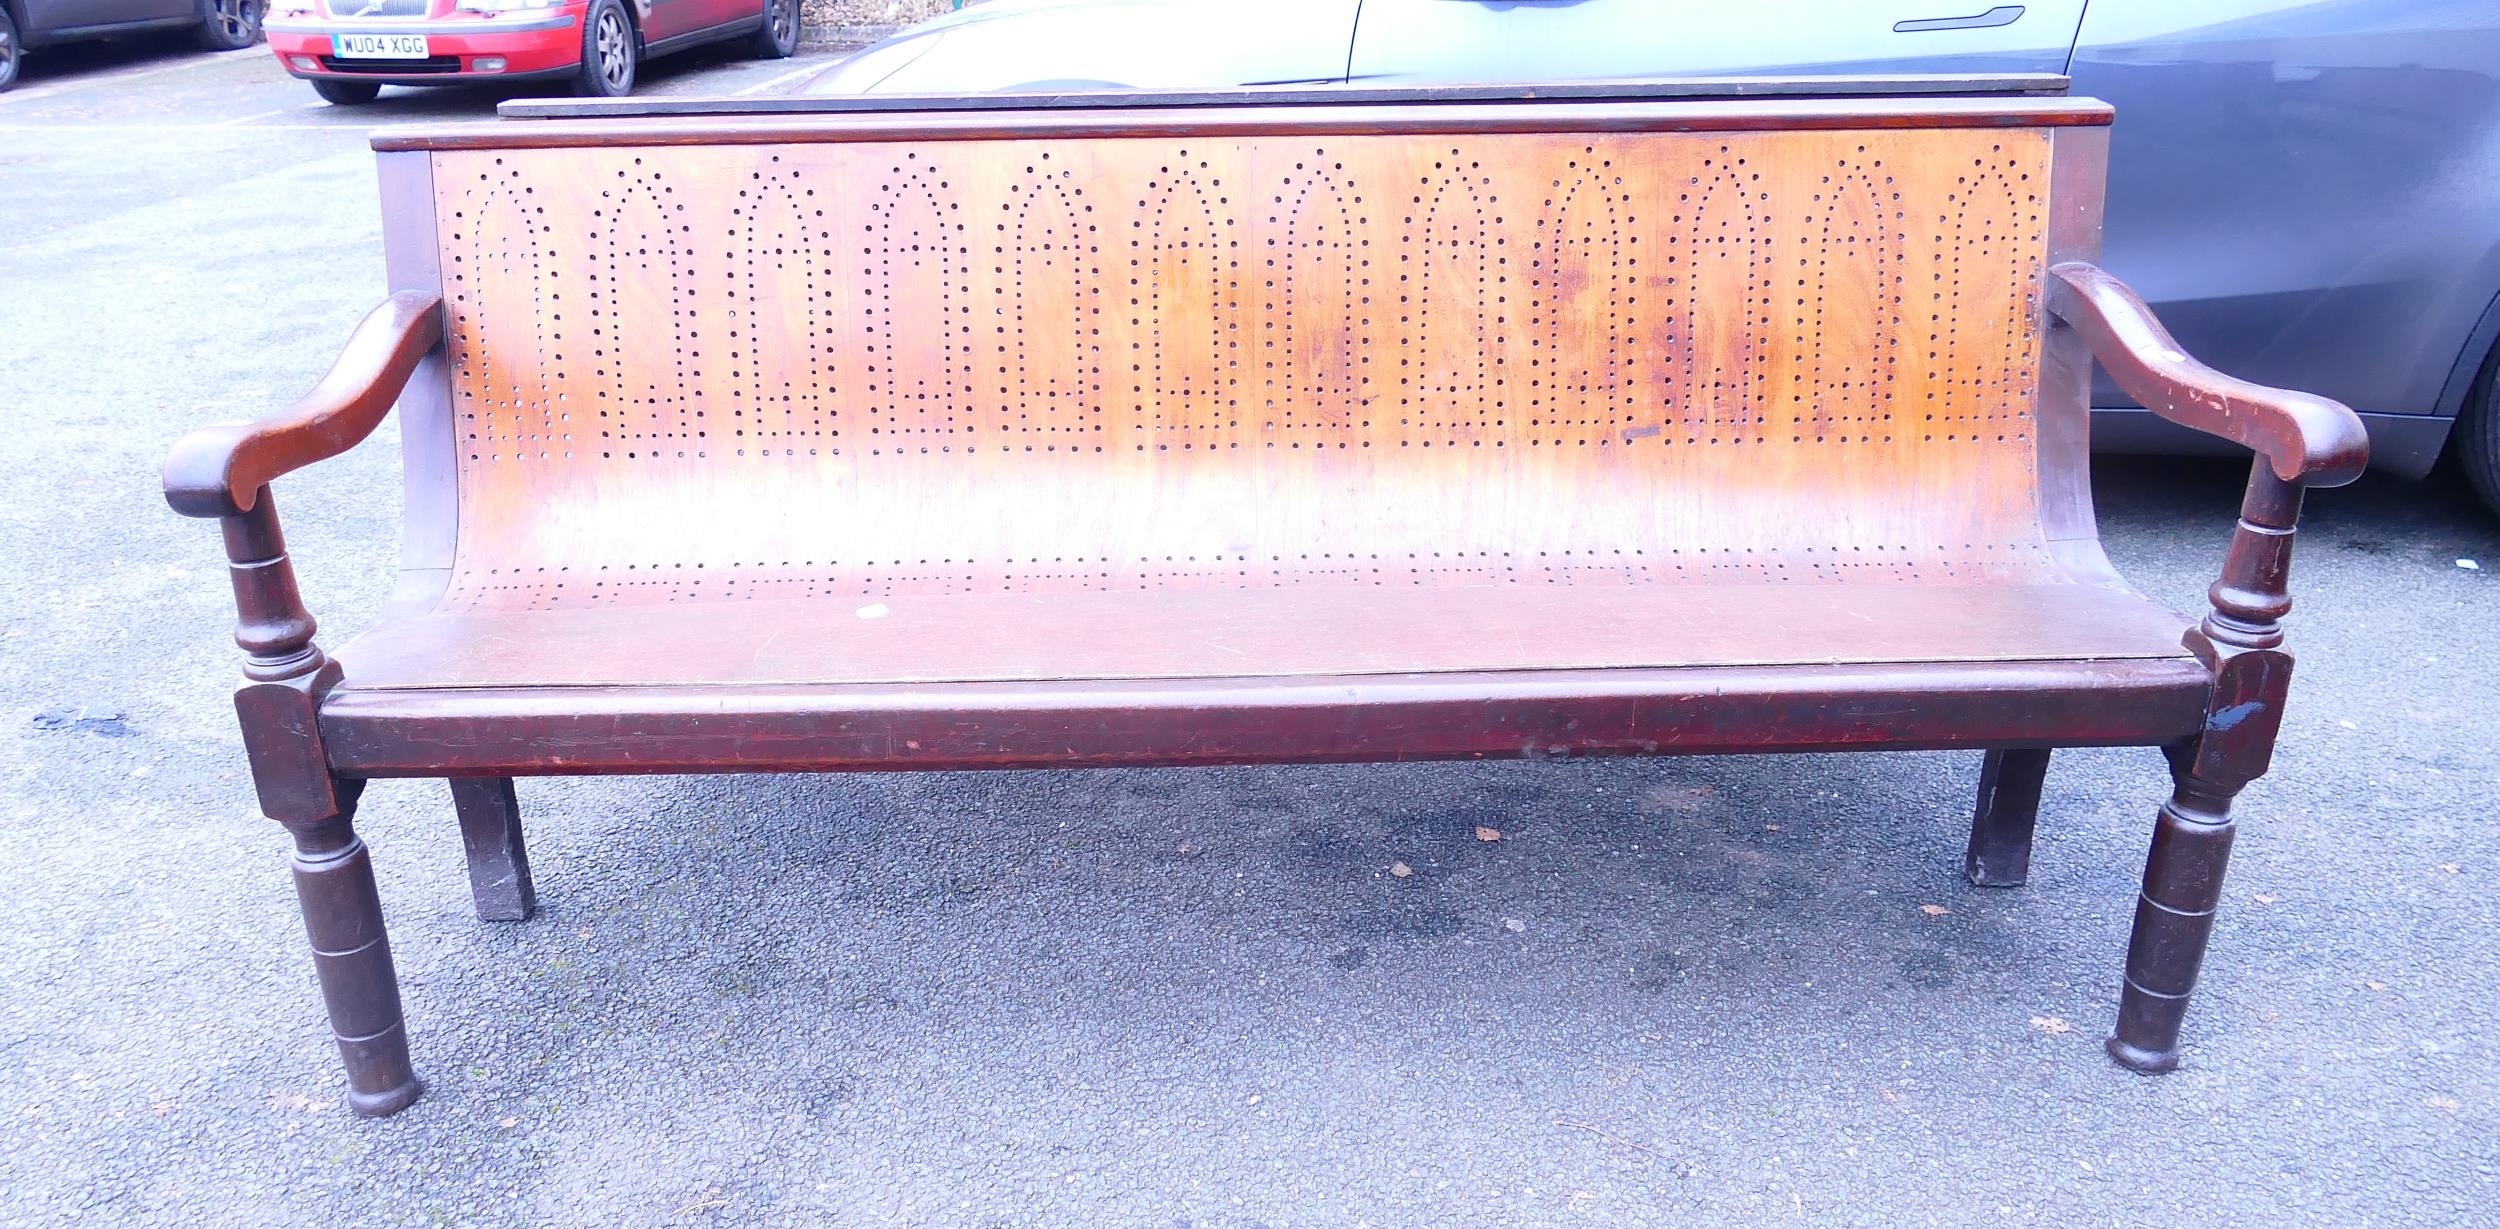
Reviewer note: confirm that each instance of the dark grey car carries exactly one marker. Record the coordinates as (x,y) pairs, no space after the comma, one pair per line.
(223,25)
(2308,193)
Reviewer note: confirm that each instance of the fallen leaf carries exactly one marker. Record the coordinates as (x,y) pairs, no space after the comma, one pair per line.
(707,1200)
(1488,835)
(1400,869)
(2449,867)
(1189,849)
(1890,1095)
(1934,910)
(2443,1103)
(2051,1025)
(507,1122)
(2264,899)
(2375,985)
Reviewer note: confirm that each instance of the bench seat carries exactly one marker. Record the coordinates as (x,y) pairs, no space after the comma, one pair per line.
(1236,676)
(1217,633)
(1526,714)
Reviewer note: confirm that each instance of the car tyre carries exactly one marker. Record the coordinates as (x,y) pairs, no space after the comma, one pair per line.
(10,49)
(2478,435)
(346,93)
(610,50)
(779,35)
(229,25)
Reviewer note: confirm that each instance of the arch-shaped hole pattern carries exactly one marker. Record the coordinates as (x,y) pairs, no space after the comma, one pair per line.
(858,370)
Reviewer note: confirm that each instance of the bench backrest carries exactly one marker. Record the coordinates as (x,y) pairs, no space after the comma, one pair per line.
(1528,343)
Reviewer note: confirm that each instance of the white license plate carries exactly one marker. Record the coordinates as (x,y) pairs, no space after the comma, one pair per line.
(378,46)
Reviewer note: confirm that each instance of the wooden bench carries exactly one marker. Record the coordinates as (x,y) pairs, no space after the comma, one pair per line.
(1349,430)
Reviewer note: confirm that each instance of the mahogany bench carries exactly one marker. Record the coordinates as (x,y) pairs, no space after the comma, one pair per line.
(1357,429)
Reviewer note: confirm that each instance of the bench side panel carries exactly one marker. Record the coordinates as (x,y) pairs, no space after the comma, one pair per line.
(2078,174)
(412,260)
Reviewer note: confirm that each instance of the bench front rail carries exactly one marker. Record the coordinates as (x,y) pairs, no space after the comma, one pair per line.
(1252,434)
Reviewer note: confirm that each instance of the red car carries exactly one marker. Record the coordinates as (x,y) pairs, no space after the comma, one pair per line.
(350,49)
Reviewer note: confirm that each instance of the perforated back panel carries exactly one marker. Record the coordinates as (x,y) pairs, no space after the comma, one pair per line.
(858,370)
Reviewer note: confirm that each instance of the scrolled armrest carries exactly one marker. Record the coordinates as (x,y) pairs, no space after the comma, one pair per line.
(2306,440)
(219,471)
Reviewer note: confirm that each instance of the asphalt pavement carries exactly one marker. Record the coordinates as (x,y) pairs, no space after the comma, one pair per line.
(1725,990)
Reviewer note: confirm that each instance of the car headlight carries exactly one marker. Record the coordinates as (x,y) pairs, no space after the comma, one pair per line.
(503,6)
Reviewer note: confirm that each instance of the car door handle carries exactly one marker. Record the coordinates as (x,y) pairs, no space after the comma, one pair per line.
(2001,15)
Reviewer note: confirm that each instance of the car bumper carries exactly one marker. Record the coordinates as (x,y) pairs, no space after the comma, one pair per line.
(534,46)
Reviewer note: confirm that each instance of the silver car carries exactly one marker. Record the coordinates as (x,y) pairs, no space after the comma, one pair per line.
(2309,193)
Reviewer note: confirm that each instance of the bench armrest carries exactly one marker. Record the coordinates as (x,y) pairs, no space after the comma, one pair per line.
(220,470)
(2307,440)
(2301,441)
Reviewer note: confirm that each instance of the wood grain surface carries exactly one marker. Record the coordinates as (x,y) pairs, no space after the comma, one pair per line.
(1360,718)
(866,371)
(1266,631)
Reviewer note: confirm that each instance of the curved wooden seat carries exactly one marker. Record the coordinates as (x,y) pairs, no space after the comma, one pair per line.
(1256,633)
(1239,403)
(1180,676)
(1439,393)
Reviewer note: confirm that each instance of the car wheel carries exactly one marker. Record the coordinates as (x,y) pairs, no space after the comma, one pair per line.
(2478,435)
(609,50)
(346,93)
(229,25)
(9,50)
(779,35)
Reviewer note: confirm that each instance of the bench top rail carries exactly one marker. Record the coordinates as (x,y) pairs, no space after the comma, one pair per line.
(1353,118)
(1355,93)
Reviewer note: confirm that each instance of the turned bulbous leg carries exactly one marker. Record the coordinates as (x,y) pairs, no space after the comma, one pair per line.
(2173,919)
(352,954)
